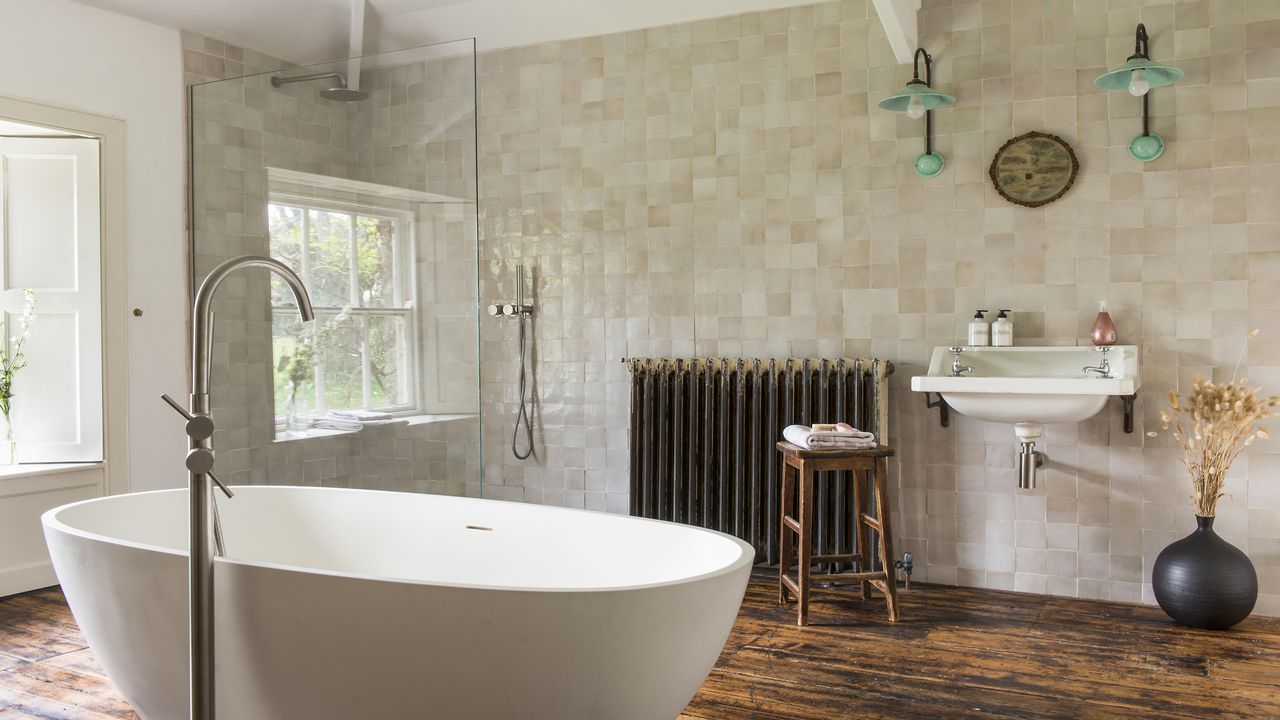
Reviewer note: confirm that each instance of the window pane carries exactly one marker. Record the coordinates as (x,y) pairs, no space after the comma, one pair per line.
(284,225)
(294,366)
(330,258)
(389,359)
(376,261)
(340,357)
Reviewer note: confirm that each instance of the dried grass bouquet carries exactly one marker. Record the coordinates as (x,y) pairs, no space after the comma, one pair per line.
(1215,424)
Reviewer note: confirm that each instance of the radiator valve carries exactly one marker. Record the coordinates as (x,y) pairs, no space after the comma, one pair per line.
(905,565)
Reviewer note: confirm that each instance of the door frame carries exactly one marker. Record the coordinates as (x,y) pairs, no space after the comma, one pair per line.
(110,132)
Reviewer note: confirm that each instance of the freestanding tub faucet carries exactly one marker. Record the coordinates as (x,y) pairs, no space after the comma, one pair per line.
(200,459)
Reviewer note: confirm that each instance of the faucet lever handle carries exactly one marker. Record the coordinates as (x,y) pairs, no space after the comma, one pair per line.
(199,426)
(225,490)
(176,407)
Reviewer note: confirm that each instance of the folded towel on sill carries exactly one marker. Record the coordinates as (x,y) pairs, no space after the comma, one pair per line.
(333,421)
(363,416)
(846,437)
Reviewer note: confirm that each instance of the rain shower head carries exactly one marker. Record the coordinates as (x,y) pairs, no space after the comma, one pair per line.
(340,92)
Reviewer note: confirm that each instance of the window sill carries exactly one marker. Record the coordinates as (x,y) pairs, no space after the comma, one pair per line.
(36,469)
(406,421)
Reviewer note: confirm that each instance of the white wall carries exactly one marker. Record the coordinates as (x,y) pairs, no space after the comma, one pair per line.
(66,54)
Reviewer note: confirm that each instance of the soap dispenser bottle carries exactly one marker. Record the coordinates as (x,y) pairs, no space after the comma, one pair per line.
(1104,328)
(979,330)
(1002,330)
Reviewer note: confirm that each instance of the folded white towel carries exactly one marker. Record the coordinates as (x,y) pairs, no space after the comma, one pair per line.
(333,421)
(841,430)
(361,415)
(828,437)
(841,439)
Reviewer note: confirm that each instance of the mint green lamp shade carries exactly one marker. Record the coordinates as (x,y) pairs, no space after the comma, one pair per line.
(1145,148)
(917,94)
(929,164)
(1148,75)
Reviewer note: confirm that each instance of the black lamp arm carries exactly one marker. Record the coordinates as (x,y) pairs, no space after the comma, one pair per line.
(928,66)
(1142,49)
(928,81)
(1141,43)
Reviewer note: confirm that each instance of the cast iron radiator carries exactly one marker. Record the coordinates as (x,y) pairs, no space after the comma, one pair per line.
(703,435)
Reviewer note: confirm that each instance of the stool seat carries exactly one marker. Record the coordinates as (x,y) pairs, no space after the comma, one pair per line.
(797,527)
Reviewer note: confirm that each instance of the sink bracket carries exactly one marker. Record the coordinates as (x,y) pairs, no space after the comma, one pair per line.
(944,410)
(1128,412)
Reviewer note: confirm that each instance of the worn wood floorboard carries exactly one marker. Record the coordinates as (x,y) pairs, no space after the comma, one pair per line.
(958,653)
(46,671)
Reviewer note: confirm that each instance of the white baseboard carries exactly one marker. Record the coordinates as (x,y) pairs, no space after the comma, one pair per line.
(22,578)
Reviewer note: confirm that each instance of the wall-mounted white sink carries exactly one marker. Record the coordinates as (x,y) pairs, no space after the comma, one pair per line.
(1041,385)
(1031,387)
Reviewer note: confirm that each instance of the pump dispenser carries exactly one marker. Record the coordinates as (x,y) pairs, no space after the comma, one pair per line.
(1104,328)
(1002,330)
(979,330)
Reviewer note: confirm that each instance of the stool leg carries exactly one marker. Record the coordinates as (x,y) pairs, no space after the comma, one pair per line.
(806,541)
(861,544)
(785,539)
(883,512)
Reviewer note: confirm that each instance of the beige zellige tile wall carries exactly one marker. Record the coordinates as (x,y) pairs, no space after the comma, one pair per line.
(729,187)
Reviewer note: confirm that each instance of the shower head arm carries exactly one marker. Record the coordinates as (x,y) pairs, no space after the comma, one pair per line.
(278,81)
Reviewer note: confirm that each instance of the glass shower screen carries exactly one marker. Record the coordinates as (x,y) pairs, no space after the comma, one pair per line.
(359,174)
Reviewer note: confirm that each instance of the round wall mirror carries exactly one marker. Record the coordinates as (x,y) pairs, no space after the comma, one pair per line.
(1034,169)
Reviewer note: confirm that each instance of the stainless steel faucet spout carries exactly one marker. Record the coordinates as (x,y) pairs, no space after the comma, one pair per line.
(202,312)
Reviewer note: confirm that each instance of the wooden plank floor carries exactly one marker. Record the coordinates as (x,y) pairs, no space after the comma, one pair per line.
(45,669)
(958,653)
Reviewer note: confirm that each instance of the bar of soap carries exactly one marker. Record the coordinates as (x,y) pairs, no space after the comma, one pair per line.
(825,427)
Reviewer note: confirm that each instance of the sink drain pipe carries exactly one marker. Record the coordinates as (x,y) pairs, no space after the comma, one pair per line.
(1030,459)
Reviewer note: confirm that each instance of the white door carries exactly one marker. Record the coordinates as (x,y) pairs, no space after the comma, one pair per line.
(50,242)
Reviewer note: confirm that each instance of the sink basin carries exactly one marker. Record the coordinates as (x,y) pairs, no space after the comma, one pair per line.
(1030,385)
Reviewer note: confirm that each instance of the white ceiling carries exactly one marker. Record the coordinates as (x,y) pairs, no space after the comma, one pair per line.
(306,31)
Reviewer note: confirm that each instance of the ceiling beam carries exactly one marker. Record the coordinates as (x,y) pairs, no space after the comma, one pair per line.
(355,42)
(899,18)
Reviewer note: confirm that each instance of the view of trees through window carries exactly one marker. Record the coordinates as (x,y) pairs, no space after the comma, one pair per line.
(357,355)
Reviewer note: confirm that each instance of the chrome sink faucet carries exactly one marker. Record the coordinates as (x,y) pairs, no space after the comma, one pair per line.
(200,459)
(958,370)
(1103,368)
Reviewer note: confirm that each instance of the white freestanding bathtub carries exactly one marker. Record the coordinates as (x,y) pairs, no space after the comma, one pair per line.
(365,605)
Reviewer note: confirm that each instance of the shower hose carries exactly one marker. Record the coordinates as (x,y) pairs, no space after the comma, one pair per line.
(522,415)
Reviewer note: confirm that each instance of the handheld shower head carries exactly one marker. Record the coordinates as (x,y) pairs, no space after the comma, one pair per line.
(340,92)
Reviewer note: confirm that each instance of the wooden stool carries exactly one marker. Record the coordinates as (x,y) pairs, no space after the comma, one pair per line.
(805,463)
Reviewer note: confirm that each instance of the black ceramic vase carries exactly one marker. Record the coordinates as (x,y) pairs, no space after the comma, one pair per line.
(1203,581)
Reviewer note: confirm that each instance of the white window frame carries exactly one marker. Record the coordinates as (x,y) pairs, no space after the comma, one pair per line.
(404,253)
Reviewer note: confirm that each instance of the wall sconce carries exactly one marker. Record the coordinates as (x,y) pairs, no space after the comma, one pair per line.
(1138,76)
(918,99)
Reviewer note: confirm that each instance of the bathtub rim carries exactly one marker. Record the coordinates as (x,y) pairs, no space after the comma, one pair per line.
(50,521)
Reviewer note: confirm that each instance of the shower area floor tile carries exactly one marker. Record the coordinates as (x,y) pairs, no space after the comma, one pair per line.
(958,653)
